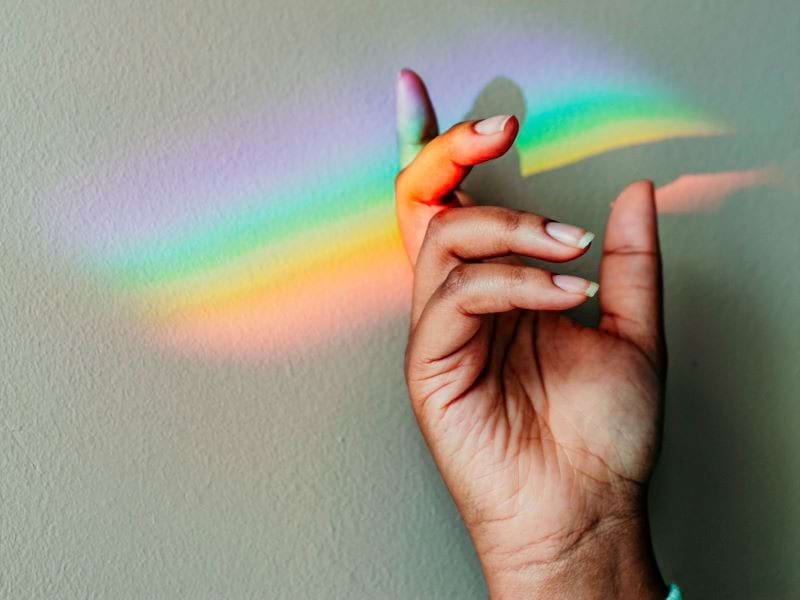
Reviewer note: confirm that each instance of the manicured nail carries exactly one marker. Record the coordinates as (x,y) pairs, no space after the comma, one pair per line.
(569,234)
(492,125)
(576,285)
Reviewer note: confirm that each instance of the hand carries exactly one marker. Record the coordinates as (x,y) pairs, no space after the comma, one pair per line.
(545,432)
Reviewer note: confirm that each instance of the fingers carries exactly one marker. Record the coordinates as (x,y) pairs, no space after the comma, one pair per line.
(447,159)
(630,272)
(427,183)
(453,314)
(416,126)
(480,232)
(416,119)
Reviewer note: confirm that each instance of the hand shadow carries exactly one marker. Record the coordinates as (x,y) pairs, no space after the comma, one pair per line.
(707,510)
(719,500)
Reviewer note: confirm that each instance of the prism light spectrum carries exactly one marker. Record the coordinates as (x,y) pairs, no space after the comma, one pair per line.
(265,239)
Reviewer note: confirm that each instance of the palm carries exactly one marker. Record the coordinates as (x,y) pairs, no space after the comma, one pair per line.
(550,420)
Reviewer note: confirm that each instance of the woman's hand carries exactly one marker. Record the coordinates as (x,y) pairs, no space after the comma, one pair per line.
(545,432)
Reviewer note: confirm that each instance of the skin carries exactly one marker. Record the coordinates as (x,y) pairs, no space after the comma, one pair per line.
(545,432)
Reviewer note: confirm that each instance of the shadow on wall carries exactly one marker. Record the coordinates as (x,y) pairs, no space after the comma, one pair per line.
(723,532)
(704,181)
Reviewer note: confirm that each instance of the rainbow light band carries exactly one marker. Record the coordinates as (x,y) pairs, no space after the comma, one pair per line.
(302,245)
(590,122)
(218,242)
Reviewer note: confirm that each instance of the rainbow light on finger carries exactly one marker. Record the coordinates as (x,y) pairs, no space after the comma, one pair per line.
(278,233)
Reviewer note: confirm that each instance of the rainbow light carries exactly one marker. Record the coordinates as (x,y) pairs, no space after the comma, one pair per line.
(588,122)
(278,244)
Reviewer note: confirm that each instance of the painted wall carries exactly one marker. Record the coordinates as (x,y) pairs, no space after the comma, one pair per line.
(203,297)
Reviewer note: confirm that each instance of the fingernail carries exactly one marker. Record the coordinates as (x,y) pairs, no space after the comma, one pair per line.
(569,234)
(492,125)
(576,285)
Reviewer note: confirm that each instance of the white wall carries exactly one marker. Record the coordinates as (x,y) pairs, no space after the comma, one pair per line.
(148,451)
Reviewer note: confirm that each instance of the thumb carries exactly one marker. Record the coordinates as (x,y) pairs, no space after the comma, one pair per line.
(630,272)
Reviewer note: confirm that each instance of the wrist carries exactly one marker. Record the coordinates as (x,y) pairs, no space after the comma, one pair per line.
(611,559)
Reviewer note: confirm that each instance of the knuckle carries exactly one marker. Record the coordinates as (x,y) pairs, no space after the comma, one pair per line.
(442,143)
(511,220)
(456,281)
(450,144)
(517,275)
(508,220)
(455,129)
(437,226)
(438,222)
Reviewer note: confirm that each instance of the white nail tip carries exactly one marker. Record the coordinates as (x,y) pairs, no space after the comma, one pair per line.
(585,240)
(492,125)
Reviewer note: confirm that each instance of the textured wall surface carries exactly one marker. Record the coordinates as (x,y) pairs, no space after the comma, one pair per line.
(202,297)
